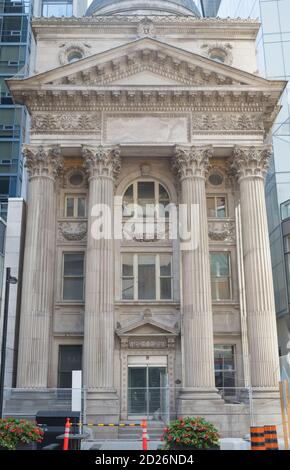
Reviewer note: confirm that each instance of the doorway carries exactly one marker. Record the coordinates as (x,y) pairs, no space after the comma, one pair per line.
(147,391)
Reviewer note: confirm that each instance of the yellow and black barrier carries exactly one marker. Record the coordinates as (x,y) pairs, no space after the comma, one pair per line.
(103,425)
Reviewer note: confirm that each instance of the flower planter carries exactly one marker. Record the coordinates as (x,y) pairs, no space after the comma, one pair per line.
(29,446)
(14,431)
(183,448)
(191,434)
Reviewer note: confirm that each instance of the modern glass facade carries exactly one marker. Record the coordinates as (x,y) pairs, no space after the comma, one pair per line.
(57,8)
(2,250)
(208,7)
(15,47)
(273,52)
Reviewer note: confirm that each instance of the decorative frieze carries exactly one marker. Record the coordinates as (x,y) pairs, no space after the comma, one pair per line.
(43,160)
(102,161)
(212,122)
(67,123)
(72,231)
(251,161)
(192,161)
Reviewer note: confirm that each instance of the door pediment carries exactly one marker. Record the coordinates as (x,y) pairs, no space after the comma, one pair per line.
(146,328)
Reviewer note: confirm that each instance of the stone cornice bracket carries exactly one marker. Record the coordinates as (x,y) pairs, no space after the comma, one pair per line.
(192,162)
(251,161)
(102,161)
(43,161)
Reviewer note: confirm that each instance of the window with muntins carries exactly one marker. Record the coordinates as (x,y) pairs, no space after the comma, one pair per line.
(73,276)
(146,276)
(220,276)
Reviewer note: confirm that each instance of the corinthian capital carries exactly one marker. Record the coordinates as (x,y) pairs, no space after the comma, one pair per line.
(43,160)
(251,161)
(192,161)
(102,161)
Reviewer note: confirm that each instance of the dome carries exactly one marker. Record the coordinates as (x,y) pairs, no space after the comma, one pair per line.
(141,7)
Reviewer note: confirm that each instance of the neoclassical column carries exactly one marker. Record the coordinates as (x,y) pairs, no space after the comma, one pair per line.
(192,164)
(44,164)
(250,165)
(103,166)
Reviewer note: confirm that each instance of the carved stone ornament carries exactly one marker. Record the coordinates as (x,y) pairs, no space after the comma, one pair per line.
(212,122)
(145,28)
(251,161)
(66,122)
(68,48)
(102,161)
(43,160)
(221,233)
(69,231)
(147,343)
(224,49)
(192,161)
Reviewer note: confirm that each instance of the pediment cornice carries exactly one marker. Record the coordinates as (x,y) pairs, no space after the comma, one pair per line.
(185,67)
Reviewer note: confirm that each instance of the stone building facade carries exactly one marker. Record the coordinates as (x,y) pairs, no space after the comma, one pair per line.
(151,107)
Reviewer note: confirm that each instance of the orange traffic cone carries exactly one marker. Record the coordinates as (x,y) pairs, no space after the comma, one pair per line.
(144,435)
(66,434)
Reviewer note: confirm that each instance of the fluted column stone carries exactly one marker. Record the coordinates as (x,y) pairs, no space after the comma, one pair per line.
(103,165)
(250,165)
(192,164)
(44,164)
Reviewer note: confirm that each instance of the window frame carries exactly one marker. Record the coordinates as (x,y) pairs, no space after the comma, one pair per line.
(74,277)
(157,198)
(59,371)
(75,198)
(158,277)
(229,277)
(215,197)
(223,370)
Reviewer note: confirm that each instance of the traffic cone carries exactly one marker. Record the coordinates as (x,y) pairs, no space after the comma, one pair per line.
(66,434)
(144,435)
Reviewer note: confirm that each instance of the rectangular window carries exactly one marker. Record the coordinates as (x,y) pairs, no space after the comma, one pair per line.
(220,276)
(127,277)
(69,359)
(216,207)
(75,206)
(73,276)
(225,368)
(146,276)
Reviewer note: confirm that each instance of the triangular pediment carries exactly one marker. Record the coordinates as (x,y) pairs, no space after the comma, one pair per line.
(144,62)
(145,76)
(146,327)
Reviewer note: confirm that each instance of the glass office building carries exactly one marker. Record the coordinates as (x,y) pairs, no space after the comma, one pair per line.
(273,52)
(15,47)
(208,7)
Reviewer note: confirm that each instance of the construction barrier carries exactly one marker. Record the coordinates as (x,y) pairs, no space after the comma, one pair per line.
(257,438)
(271,439)
(102,425)
(66,434)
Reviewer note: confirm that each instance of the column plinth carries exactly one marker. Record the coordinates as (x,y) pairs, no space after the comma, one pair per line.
(44,164)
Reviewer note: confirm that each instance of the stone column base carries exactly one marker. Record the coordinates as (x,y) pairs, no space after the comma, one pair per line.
(102,407)
(233,419)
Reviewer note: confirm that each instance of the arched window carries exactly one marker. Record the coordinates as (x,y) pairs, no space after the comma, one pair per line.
(149,197)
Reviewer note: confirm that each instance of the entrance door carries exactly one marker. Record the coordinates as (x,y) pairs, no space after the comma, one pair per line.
(145,391)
